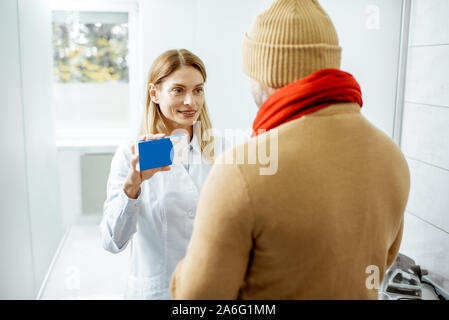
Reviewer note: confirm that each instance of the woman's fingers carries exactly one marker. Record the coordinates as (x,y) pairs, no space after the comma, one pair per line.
(166,168)
(133,149)
(150,137)
(155,136)
(151,172)
(134,161)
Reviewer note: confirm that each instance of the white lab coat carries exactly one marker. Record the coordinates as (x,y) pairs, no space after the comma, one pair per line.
(158,223)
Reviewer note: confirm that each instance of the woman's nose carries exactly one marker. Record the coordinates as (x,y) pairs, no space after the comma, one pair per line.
(188,99)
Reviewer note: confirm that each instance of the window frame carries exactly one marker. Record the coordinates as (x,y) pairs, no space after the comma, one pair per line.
(109,139)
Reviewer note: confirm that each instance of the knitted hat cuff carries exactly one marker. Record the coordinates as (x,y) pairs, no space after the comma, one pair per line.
(276,65)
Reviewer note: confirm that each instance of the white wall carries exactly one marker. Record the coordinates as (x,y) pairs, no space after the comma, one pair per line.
(77,111)
(30,227)
(69,168)
(369,32)
(16,271)
(425,136)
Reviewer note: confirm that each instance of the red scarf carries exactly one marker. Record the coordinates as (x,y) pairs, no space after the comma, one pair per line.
(314,92)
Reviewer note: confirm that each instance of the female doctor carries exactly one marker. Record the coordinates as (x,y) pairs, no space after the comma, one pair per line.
(155,209)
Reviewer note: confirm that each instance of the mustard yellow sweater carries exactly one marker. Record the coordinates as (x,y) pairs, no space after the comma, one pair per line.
(317,229)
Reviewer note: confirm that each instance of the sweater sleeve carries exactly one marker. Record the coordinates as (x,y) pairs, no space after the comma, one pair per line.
(120,213)
(219,251)
(394,249)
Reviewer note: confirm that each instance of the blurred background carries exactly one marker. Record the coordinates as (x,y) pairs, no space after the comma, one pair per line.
(72,86)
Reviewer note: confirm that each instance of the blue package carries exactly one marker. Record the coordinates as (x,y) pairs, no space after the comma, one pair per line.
(158,153)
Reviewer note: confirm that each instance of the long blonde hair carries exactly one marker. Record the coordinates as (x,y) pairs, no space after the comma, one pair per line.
(153,121)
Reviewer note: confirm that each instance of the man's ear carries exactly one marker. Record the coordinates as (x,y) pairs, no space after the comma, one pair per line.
(152,91)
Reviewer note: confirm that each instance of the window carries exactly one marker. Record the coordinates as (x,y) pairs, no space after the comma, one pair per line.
(94,94)
(90,47)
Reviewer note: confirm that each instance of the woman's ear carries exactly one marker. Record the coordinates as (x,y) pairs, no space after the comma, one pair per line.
(152,91)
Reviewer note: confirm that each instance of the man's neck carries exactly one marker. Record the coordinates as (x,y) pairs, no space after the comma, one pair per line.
(261,92)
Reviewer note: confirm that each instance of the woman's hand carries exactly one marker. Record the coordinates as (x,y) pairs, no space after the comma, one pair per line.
(135,178)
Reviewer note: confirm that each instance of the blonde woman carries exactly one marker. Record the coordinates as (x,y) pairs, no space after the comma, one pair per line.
(155,209)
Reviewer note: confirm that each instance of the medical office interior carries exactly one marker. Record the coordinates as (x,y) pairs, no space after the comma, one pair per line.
(61,127)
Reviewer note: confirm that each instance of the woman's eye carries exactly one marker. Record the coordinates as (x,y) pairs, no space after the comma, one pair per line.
(177,90)
(199,90)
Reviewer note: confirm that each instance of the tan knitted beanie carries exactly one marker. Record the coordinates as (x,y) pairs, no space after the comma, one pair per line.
(289,41)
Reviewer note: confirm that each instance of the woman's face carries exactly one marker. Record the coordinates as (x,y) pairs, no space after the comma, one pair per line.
(180,97)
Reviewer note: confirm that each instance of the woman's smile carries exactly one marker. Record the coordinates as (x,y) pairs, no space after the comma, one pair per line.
(188,113)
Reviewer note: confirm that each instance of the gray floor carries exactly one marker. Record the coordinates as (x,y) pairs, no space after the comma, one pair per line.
(83,269)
